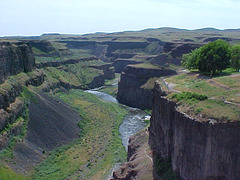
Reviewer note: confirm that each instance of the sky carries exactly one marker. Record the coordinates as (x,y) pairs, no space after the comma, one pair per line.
(34,17)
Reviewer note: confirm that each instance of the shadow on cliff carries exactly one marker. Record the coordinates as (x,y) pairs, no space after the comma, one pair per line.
(52,123)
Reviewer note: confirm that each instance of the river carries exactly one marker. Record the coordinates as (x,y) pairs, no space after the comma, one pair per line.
(131,124)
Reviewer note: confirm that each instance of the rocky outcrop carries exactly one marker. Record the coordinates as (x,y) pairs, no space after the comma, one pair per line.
(108,70)
(59,63)
(100,52)
(9,115)
(12,106)
(131,90)
(10,90)
(43,45)
(139,165)
(80,44)
(97,82)
(210,39)
(15,58)
(176,50)
(52,123)
(113,46)
(162,60)
(120,64)
(197,150)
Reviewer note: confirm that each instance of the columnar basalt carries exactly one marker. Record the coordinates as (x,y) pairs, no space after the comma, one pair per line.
(131,90)
(15,57)
(197,150)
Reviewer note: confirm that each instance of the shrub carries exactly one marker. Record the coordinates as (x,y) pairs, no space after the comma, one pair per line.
(189,96)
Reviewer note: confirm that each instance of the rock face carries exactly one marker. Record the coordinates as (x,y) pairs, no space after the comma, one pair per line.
(120,64)
(130,88)
(59,63)
(12,106)
(139,165)
(176,50)
(197,150)
(108,70)
(51,123)
(43,45)
(15,58)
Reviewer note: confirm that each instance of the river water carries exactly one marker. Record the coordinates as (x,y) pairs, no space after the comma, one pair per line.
(132,123)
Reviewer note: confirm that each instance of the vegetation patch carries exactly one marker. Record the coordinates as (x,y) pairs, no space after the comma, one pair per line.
(164,168)
(74,74)
(208,98)
(189,96)
(146,66)
(7,174)
(150,83)
(99,144)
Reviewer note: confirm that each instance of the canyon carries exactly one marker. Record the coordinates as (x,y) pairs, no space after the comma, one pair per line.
(45,114)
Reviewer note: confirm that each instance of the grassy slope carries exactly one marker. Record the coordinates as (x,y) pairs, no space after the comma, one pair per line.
(8,174)
(6,155)
(75,74)
(99,145)
(146,66)
(109,87)
(218,90)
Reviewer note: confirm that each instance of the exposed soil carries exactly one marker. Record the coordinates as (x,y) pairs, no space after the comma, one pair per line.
(52,123)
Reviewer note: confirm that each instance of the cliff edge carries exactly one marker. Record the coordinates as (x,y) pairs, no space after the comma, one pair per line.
(136,84)
(195,150)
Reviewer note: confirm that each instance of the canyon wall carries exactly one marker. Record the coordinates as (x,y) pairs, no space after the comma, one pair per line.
(131,90)
(43,45)
(139,165)
(120,64)
(197,150)
(15,57)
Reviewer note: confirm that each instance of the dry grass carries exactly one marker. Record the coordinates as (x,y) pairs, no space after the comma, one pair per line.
(223,93)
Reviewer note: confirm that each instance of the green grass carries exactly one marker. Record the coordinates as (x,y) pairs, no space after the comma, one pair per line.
(217,89)
(99,145)
(7,174)
(75,74)
(146,66)
(79,53)
(111,90)
(189,96)
(150,83)
(21,122)
(39,52)
(43,59)
(108,86)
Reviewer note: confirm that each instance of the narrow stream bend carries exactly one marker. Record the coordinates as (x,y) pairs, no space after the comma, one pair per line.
(132,123)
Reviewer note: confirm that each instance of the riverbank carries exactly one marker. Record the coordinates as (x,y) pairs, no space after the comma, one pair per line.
(98,147)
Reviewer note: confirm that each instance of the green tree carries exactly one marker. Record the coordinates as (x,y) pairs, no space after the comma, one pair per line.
(191,59)
(213,57)
(235,61)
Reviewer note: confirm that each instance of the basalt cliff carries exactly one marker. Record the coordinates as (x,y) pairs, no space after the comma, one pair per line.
(195,150)
(15,57)
(135,85)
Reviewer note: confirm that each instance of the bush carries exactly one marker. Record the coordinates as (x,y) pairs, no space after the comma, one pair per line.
(189,96)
